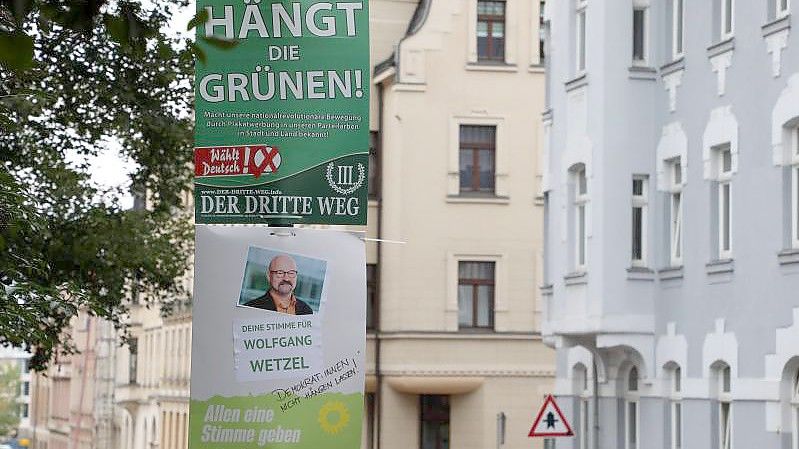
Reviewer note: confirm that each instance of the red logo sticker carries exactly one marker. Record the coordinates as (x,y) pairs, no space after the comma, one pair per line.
(236,160)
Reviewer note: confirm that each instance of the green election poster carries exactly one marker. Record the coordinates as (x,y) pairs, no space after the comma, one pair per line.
(281,113)
(278,339)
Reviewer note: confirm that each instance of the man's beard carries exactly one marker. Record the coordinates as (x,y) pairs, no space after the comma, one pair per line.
(285,288)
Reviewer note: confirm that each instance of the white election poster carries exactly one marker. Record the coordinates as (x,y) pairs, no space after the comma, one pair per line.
(278,339)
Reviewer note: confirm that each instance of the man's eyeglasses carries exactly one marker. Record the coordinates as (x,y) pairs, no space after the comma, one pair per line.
(281,273)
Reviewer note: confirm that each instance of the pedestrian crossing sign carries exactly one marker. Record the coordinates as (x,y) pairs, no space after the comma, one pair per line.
(550,421)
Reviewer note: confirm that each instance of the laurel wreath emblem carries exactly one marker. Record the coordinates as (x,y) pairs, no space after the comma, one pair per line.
(347,191)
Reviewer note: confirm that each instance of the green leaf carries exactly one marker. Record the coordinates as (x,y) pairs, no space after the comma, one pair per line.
(199,52)
(198,19)
(218,42)
(16,50)
(117,28)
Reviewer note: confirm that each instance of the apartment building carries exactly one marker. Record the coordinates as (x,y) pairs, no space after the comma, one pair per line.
(456,359)
(671,229)
(72,402)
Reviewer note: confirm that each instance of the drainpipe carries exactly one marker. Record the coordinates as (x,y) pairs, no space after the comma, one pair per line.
(378,377)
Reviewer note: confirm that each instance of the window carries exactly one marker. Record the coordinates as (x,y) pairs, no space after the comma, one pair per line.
(675,212)
(580,225)
(725,406)
(371,295)
(581,378)
(727,18)
(25,388)
(434,422)
(631,410)
(783,8)
(477,159)
(639,224)
(724,207)
(374,164)
(795,188)
(541,33)
(24,410)
(490,30)
(677,29)
(676,408)
(580,35)
(133,363)
(476,294)
(640,18)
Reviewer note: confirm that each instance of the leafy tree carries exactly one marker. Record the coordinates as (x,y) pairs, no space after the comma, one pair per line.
(9,392)
(99,74)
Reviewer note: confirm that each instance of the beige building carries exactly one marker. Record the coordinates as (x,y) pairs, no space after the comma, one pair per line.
(455,357)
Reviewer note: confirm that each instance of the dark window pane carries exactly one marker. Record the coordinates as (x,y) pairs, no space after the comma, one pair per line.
(374,180)
(638,187)
(639,23)
(466,169)
(476,294)
(434,422)
(477,154)
(637,233)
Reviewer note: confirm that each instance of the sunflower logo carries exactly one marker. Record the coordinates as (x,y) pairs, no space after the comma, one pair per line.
(333,417)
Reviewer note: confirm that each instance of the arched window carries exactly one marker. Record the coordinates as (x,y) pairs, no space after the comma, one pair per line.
(631,410)
(675,406)
(583,392)
(723,393)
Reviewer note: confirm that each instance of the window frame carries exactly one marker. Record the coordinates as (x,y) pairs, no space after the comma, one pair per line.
(475,284)
(780,11)
(727,12)
(725,203)
(676,222)
(675,407)
(640,201)
(678,29)
(644,60)
(581,199)
(632,411)
(580,36)
(724,396)
(422,419)
(476,147)
(491,19)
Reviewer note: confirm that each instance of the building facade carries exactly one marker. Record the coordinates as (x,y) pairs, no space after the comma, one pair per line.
(455,356)
(672,222)
(72,402)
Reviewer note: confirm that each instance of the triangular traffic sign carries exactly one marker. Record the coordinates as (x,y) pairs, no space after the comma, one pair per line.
(550,421)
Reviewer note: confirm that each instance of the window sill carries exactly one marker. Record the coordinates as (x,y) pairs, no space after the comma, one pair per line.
(777,25)
(547,290)
(673,66)
(577,82)
(720,266)
(725,46)
(642,72)
(466,199)
(670,273)
(788,256)
(576,278)
(640,274)
(475,330)
(537,68)
(491,66)
(547,114)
